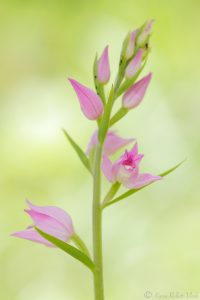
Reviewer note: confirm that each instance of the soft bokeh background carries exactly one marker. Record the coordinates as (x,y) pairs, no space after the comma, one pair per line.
(151,240)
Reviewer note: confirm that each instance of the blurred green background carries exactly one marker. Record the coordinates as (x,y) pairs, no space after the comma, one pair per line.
(151,240)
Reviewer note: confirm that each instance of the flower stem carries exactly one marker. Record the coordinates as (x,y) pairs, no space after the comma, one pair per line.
(97,226)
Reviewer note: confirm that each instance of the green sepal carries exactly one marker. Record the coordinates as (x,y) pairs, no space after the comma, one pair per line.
(83,157)
(133,191)
(106,117)
(71,250)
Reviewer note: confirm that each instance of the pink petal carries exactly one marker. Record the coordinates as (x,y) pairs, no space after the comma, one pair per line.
(112,143)
(32,235)
(49,225)
(90,102)
(134,65)
(107,169)
(55,212)
(142,180)
(103,67)
(135,94)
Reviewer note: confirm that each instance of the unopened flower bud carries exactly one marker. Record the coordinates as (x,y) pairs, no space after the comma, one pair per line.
(103,67)
(145,33)
(135,94)
(130,48)
(134,65)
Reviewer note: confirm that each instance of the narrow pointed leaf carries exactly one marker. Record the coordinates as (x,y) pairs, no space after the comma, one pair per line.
(78,150)
(133,191)
(71,250)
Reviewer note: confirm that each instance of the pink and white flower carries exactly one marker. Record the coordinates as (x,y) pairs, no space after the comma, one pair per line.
(125,170)
(50,219)
(90,102)
(113,142)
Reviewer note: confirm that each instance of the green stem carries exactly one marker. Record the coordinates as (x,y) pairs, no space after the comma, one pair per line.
(97,227)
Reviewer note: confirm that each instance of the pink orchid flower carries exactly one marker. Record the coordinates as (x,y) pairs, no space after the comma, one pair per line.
(51,220)
(103,67)
(136,92)
(131,45)
(126,170)
(112,143)
(134,65)
(90,102)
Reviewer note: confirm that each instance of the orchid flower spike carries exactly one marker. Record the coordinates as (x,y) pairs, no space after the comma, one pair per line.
(90,102)
(145,33)
(135,94)
(51,220)
(126,170)
(113,142)
(103,67)
(134,65)
(129,51)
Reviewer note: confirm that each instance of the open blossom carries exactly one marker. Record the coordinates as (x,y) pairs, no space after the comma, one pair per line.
(90,102)
(126,170)
(131,45)
(112,143)
(103,67)
(136,92)
(134,65)
(51,220)
(146,31)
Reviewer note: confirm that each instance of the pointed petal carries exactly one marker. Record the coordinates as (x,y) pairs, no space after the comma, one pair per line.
(103,67)
(55,212)
(107,168)
(114,142)
(32,235)
(90,102)
(135,94)
(142,180)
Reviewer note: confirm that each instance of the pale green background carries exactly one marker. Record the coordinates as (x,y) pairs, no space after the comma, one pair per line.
(151,240)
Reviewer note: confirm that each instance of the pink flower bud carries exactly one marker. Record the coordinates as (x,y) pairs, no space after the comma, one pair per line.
(103,67)
(134,65)
(146,31)
(90,102)
(135,94)
(131,45)
(113,142)
(125,170)
(50,219)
